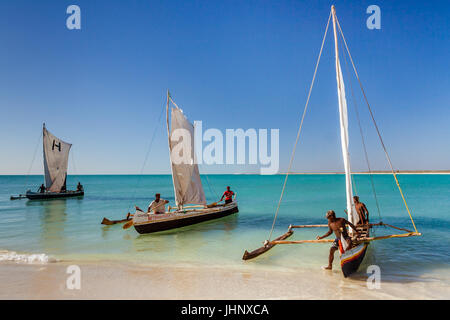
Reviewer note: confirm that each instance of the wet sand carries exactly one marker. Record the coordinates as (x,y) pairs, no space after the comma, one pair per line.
(127,281)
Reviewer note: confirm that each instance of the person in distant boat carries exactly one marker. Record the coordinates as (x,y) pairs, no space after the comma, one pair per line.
(338,226)
(158,206)
(79,186)
(63,188)
(228,194)
(41,189)
(362,211)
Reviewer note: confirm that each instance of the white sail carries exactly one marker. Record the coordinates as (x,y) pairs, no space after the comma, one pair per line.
(56,158)
(185,175)
(343,120)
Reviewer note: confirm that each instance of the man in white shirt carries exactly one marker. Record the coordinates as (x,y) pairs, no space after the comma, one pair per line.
(158,206)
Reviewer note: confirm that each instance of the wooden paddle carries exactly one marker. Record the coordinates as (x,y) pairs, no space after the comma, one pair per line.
(128,224)
(214,204)
(108,222)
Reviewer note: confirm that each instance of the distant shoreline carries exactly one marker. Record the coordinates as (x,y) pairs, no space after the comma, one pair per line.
(256,174)
(373,172)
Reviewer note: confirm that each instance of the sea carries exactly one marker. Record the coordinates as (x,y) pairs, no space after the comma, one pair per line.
(41,232)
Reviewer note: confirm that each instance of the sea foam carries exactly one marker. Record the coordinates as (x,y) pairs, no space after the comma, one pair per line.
(32,258)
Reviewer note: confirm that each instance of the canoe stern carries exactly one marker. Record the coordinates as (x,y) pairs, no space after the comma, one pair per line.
(351,259)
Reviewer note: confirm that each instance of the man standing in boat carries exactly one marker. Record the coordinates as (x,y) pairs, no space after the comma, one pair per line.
(362,211)
(228,194)
(338,226)
(41,188)
(158,206)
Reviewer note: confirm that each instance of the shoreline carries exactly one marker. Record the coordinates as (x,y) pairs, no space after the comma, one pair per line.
(121,280)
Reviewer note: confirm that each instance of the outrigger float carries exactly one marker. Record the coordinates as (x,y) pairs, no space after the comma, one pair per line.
(191,207)
(353,257)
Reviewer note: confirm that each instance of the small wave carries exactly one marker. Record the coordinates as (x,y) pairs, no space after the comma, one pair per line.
(32,258)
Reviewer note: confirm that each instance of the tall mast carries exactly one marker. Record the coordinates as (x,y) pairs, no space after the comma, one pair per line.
(343,120)
(168,137)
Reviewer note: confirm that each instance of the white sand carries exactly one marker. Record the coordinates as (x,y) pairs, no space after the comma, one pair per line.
(124,281)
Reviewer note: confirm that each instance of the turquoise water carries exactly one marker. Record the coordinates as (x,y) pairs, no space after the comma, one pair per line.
(70,229)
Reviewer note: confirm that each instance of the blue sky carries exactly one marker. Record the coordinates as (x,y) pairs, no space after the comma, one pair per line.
(231,64)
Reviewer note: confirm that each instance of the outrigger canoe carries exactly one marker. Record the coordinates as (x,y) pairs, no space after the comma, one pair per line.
(53,195)
(149,223)
(190,200)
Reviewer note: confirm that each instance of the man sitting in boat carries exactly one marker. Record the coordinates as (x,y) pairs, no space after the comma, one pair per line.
(41,189)
(338,226)
(228,194)
(362,211)
(79,186)
(158,206)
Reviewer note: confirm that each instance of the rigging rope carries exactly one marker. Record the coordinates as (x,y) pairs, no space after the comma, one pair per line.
(300,128)
(210,187)
(147,154)
(207,180)
(362,135)
(376,127)
(32,161)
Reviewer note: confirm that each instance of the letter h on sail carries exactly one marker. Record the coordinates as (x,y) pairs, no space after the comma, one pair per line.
(57,145)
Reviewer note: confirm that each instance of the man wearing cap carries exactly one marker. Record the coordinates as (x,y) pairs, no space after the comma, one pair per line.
(158,206)
(338,226)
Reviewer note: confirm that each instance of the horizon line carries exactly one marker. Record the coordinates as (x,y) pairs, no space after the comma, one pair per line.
(280,173)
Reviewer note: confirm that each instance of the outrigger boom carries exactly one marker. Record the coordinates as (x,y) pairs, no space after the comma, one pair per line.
(282,239)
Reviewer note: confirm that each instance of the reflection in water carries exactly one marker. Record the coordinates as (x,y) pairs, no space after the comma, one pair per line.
(53,217)
(185,244)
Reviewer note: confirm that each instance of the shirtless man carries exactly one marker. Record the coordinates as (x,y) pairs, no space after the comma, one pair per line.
(362,211)
(338,226)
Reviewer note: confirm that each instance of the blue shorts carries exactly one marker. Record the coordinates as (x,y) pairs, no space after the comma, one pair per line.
(335,243)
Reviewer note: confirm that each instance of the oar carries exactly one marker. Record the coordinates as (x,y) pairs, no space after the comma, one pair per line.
(108,222)
(214,204)
(130,223)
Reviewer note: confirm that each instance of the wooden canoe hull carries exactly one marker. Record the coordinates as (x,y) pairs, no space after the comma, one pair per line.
(163,225)
(352,259)
(53,195)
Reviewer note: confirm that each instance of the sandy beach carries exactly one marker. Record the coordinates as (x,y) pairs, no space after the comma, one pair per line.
(127,281)
(205,261)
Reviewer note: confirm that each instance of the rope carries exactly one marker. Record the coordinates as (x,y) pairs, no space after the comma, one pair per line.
(211,188)
(300,128)
(362,136)
(376,127)
(32,161)
(147,155)
(207,181)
